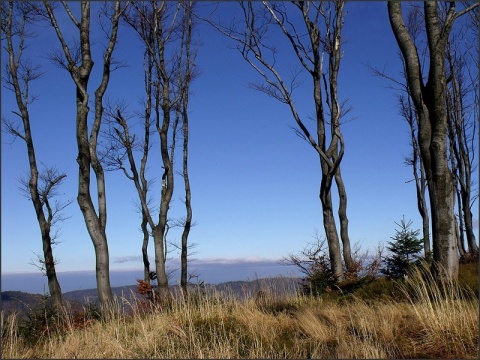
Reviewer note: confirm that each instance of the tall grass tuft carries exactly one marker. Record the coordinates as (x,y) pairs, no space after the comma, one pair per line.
(446,312)
(12,345)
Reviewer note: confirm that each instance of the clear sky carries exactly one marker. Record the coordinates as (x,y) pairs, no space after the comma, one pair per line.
(254,183)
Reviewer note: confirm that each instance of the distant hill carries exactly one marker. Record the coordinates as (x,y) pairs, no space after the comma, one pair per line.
(23,302)
(19,301)
(277,286)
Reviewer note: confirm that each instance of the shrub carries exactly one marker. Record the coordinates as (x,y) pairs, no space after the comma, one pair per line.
(383,289)
(92,312)
(41,322)
(404,248)
(320,279)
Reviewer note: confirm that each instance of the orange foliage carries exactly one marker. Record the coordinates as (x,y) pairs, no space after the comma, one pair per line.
(143,287)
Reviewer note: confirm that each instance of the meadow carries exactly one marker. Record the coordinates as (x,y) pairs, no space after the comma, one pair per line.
(416,318)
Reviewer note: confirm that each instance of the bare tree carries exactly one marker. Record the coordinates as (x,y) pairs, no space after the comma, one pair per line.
(80,71)
(123,145)
(187,76)
(40,186)
(310,48)
(407,110)
(314,263)
(461,120)
(429,100)
(165,29)
(460,98)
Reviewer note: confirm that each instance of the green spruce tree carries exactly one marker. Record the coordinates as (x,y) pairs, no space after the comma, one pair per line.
(404,249)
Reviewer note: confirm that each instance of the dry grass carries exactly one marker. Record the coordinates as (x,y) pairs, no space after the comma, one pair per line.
(446,314)
(436,322)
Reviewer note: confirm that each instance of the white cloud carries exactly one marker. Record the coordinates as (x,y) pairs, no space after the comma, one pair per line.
(233,261)
(124,259)
(203,261)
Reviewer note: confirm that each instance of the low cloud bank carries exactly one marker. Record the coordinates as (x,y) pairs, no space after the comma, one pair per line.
(213,271)
(206,261)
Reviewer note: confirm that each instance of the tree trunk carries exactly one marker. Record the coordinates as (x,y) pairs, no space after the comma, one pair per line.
(166,196)
(87,148)
(334,59)
(342,214)
(14,62)
(53,284)
(146,237)
(188,76)
(459,149)
(408,112)
(331,229)
(445,251)
(93,222)
(429,101)
(471,241)
(441,190)
(464,176)
(159,244)
(421,187)
(102,268)
(329,225)
(185,233)
(460,242)
(188,206)
(423,210)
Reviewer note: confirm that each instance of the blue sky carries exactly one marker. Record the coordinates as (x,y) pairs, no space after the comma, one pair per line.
(254,183)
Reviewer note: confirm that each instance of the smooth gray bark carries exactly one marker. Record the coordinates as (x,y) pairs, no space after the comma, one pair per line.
(187,78)
(342,215)
(158,23)
(87,143)
(461,152)
(429,102)
(408,112)
(39,198)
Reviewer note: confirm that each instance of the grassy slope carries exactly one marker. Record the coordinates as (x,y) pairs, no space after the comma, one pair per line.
(378,321)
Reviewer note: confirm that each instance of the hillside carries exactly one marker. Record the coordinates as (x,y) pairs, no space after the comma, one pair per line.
(19,301)
(22,302)
(431,321)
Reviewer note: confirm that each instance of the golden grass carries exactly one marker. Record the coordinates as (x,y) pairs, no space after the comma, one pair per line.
(446,314)
(436,322)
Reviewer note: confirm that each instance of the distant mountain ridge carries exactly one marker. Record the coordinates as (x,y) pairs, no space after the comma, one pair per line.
(23,302)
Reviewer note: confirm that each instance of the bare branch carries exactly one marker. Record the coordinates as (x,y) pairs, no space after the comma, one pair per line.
(71,63)
(13,128)
(40,263)
(70,14)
